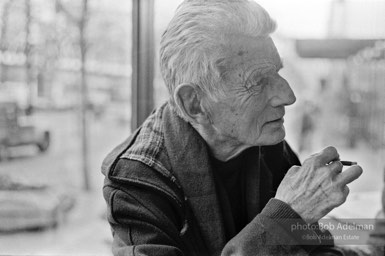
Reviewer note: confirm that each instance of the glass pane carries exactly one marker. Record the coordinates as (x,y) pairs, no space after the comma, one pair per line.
(163,14)
(44,207)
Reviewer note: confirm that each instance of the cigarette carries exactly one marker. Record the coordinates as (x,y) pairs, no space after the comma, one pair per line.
(348,163)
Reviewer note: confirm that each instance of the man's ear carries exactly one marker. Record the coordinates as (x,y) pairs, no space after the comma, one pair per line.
(189,101)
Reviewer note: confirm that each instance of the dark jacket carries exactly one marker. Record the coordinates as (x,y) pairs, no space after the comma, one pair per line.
(162,199)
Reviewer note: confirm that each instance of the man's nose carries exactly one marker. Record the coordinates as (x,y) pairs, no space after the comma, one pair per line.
(282,94)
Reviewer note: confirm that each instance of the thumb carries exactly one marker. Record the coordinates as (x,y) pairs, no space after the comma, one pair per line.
(293,170)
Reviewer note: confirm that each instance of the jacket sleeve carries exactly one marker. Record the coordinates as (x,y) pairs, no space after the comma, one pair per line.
(143,222)
(278,230)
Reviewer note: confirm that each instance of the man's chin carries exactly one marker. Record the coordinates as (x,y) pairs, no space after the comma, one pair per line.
(275,138)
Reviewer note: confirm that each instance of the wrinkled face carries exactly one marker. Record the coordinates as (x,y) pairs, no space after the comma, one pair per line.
(252,112)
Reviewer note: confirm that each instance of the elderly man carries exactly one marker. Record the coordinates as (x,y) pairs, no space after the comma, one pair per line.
(209,172)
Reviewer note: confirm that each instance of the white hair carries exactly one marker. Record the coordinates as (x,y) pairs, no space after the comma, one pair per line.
(196,39)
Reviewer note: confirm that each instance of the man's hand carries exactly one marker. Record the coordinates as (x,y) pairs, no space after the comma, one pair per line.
(317,187)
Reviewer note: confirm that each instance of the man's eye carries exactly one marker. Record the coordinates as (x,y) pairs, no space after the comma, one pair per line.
(257,84)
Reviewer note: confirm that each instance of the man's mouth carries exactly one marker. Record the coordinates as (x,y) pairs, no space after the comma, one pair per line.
(277,120)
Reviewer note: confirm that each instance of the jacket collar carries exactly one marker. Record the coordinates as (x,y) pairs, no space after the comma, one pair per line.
(189,158)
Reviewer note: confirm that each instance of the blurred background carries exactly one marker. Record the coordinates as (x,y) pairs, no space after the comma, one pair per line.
(77,76)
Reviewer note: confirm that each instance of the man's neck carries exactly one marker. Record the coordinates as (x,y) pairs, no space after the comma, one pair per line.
(221,147)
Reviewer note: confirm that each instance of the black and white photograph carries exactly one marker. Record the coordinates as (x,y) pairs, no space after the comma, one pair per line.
(192,127)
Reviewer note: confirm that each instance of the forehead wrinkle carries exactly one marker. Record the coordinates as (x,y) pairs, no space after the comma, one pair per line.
(241,57)
(261,67)
(245,64)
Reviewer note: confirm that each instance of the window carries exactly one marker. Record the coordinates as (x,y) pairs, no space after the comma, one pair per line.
(163,15)
(43,103)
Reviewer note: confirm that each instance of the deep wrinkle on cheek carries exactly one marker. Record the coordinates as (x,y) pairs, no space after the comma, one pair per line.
(260,108)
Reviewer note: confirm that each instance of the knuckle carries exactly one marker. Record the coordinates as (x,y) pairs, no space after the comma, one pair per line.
(339,165)
(308,161)
(341,198)
(326,174)
(317,160)
(331,150)
(293,170)
(338,185)
(346,190)
(336,167)
(331,176)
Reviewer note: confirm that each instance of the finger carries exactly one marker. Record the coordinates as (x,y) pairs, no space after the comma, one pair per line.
(293,170)
(349,174)
(326,156)
(346,191)
(344,195)
(336,167)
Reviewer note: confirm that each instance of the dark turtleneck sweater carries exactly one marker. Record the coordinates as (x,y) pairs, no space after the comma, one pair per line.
(231,188)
